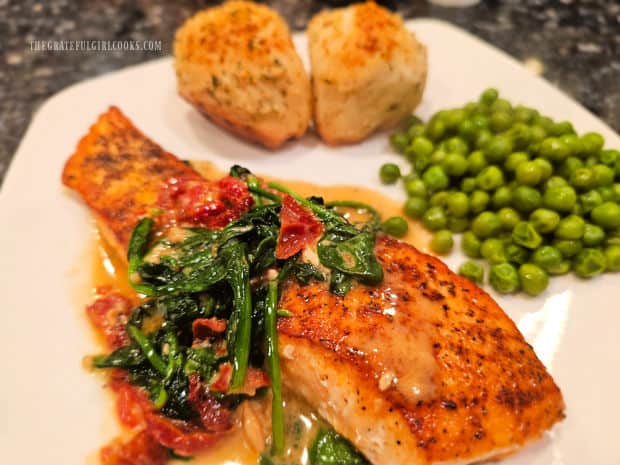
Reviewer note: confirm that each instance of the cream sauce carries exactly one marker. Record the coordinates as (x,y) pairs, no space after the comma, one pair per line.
(238,448)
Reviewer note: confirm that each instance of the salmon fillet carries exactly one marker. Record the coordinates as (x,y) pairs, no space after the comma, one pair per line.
(119,172)
(424,368)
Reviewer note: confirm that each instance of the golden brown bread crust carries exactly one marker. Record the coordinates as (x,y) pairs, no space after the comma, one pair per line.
(237,64)
(368,71)
(119,173)
(489,394)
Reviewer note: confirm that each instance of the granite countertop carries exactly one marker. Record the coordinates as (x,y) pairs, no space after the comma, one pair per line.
(574,44)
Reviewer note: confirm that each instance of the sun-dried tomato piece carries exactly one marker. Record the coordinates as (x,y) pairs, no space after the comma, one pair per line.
(198,202)
(298,228)
(109,314)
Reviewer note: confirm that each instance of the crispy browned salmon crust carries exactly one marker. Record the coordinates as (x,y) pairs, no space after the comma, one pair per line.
(488,393)
(119,172)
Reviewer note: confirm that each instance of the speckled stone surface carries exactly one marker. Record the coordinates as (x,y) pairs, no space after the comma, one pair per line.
(575,44)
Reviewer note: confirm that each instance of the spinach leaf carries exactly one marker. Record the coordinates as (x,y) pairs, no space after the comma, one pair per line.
(330,448)
(239,328)
(125,357)
(136,251)
(354,257)
(340,283)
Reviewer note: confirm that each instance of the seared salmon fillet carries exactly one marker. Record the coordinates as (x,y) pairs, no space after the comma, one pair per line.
(119,172)
(424,368)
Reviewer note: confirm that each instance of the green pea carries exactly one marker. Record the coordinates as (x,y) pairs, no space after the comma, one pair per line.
(458,225)
(420,163)
(525,199)
(544,121)
(609,157)
(483,138)
(454,164)
(389,173)
(470,244)
(399,141)
(516,254)
(436,129)
(590,199)
(525,235)
(439,199)
(458,204)
(468,185)
(524,114)
(577,210)
(528,173)
(501,104)
(563,127)
(416,130)
(555,181)
(570,227)
(515,159)
(582,179)
(544,220)
(500,120)
(489,96)
(502,197)
(435,219)
(612,256)
(589,263)
(467,130)
(504,278)
(591,161)
(554,149)
(603,175)
(472,271)
(608,193)
(606,215)
(520,134)
(486,224)
(561,198)
(476,162)
(422,147)
(456,145)
(537,133)
(490,178)
(568,248)
(415,188)
(569,165)
(572,142)
(616,189)
(415,207)
(454,117)
(395,226)
(534,279)
(442,242)
(548,258)
(478,201)
(591,143)
(546,168)
(498,148)
(508,217)
(480,121)
(492,250)
(435,178)
(593,235)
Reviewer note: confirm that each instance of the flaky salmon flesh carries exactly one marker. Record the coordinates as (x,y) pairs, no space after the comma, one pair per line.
(424,368)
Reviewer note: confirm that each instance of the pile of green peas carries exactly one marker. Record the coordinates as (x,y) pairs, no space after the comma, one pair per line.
(528,194)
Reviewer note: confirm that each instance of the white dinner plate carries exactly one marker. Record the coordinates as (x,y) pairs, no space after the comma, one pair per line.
(52,412)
